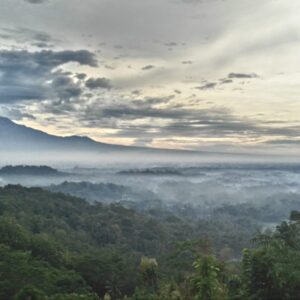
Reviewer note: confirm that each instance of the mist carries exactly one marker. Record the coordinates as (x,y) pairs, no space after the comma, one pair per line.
(191,190)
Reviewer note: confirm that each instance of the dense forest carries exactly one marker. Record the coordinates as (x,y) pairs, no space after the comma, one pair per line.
(59,247)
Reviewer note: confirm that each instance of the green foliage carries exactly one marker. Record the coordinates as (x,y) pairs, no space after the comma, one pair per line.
(143,294)
(43,247)
(12,234)
(272,271)
(149,270)
(57,247)
(74,296)
(19,269)
(169,291)
(206,281)
(295,215)
(30,293)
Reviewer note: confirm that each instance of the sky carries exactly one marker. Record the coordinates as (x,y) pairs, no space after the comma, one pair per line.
(218,75)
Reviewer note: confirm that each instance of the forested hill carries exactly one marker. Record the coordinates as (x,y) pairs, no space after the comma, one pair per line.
(61,244)
(58,247)
(79,225)
(29,171)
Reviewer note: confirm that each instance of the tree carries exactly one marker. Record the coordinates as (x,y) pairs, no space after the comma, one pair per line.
(271,270)
(74,296)
(205,282)
(149,271)
(169,291)
(30,293)
(295,215)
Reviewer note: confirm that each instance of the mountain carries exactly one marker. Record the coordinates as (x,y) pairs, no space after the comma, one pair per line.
(23,145)
(13,136)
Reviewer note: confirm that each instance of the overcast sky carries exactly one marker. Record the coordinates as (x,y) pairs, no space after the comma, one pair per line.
(194,74)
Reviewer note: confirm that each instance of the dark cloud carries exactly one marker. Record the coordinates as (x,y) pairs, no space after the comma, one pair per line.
(192,1)
(28,36)
(171,121)
(209,123)
(42,36)
(136,110)
(17,113)
(109,67)
(187,62)
(196,2)
(171,44)
(22,92)
(118,46)
(65,88)
(284,142)
(225,81)
(98,83)
(191,123)
(4,36)
(83,57)
(136,92)
(36,1)
(150,102)
(42,45)
(81,76)
(242,75)
(28,75)
(130,113)
(161,118)
(148,67)
(177,91)
(46,59)
(207,86)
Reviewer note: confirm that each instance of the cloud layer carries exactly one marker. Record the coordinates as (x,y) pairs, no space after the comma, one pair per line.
(171,73)
(27,76)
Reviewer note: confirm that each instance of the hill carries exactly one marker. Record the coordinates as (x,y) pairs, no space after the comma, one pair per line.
(25,145)
(13,136)
(29,171)
(57,247)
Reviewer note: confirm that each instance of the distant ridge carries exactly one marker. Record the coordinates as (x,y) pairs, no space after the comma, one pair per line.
(21,170)
(13,136)
(20,144)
